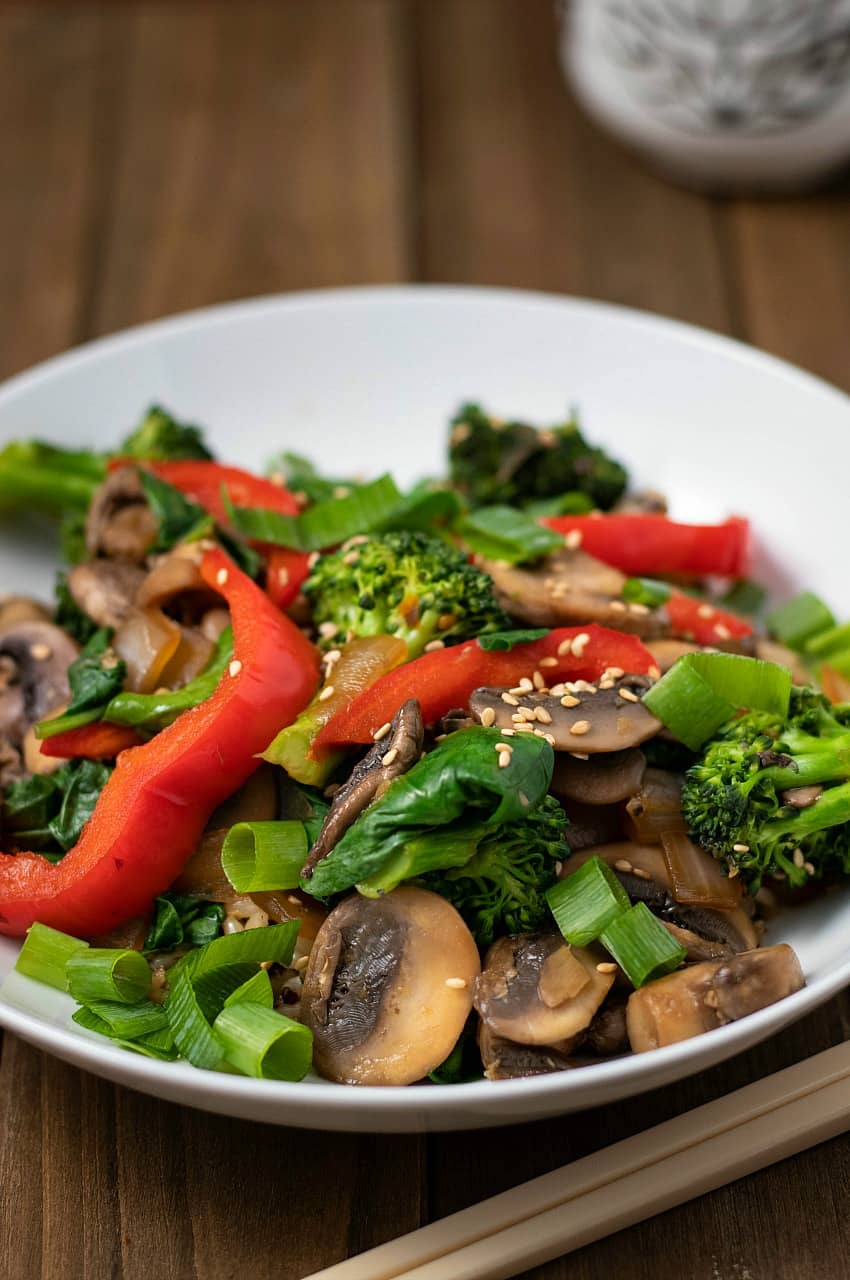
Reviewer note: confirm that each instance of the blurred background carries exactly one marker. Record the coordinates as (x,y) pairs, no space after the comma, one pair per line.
(159,155)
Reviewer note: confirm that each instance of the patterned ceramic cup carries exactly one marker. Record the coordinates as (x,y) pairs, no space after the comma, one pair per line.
(726,94)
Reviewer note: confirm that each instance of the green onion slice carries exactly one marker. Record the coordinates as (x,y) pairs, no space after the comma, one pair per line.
(833,640)
(192,1032)
(257,856)
(504,533)
(587,901)
(45,955)
(799,620)
(99,973)
(257,990)
(701,691)
(274,943)
(641,945)
(262,1043)
(130,1021)
(159,1044)
(648,591)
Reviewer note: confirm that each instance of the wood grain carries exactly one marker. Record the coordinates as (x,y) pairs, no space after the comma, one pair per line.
(167,156)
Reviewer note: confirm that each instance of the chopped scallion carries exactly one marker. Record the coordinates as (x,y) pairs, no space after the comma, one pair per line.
(745,597)
(832,640)
(257,990)
(258,856)
(262,1043)
(45,955)
(799,620)
(130,1021)
(101,973)
(641,945)
(274,943)
(587,901)
(701,691)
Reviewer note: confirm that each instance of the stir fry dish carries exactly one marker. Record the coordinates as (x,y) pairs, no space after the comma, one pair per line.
(500,775)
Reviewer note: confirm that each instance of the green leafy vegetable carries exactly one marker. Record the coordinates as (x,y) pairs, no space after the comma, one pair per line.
(745,597)
(47,478)
(81,790)
(504,533)
(460,778)
(178,518)
(798,620)
(47,812)
(463,1063)
(502,641)
(301,476)
(325,524)
(180,918)
(96,676)
(646,591)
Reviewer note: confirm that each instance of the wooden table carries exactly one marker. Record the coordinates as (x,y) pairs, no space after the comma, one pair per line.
(160,156)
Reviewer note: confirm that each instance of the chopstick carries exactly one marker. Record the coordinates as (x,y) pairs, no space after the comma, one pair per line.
(632,1180)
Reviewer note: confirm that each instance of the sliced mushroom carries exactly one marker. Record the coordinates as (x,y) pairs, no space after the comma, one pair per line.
(607,1033)
(603,779)
(388,987)
(369,779)
(642,871)
(599,719)
(591,824)
(34,675)
(120,524)
(666,651)
(770,651)
(105,590)
(643,502)
(704,996)
(14,609)
(506,1060)
(508,995)
(569,587)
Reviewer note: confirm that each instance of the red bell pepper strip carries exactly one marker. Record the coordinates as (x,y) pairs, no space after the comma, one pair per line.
(151,813)
(286,571)
(203,482)
(653,545)
(445,678)
(95,741)
(704,623)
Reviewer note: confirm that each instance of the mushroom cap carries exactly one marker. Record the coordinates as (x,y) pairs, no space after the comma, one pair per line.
(41,654)
(600,719)
(509,994)
(704,996)
(388,987)
(506,1060)
(105,590)
(606,778)
(120,522)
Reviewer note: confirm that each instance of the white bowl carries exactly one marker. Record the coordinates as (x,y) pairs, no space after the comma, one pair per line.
(365,379)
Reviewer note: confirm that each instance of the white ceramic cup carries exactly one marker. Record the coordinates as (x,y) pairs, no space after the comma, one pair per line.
(722,94)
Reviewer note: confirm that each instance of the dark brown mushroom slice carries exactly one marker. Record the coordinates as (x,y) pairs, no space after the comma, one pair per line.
(120,523)
(604,717)
(591,824)
(569,588)
(35,657)
(105,590)
(388,987)
(642,871)
(642,502)
(516,1005)
(383,762)
(704,996)
(607,1033)
(506,1060)
(603,779)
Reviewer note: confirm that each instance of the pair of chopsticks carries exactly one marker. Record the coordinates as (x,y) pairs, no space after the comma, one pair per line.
(626,1183)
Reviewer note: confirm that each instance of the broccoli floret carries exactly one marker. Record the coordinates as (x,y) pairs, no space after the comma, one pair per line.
(502,889)
(734,796)
(159,435)
(492,462)
(403,584)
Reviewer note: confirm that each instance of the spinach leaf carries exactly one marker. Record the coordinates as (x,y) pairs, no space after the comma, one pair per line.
(47,812)
(96,676)
(177,516)
(181,919)
(81,787)
(460,778)
(499,641)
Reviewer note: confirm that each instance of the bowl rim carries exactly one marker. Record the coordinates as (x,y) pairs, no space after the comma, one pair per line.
(634,1072)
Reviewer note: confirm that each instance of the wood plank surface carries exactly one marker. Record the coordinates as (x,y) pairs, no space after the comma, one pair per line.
(167,156)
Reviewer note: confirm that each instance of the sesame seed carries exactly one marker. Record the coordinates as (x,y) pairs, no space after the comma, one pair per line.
(799,858)
(549,739)
(606,966)
(503,746)
(548,662)
(510,699)
(518,689)
(509,733)
(460,432)
(327,629)
(580,727)
(580,643)
(524,728)
(235,667)
(391,756)
(283,577)
(541,714)
(559,866)
(558,690)
(523,799)
(572,541)
(606,684)
(740,848)
(722,632)
(712,999)
(332,656)
(705,611)
(733,871)
(565,647)
(578,755)
(641,610)
(40,652)
(622,864)
(382,732)
(539,682)
(807,866)
(301,963)
(613,673)
(654,672)
(617,606)
(350,557)
(433,645)
(456,984)
(628,695)
(641,874)
(221,577)
(569,701)
(342,491)
(504,759)
(582,686)
(313,559)
(488,716)
(356,541)
(296,902)
(327,692)
(526,685)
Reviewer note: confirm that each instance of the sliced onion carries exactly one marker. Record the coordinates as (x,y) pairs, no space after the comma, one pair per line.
(214,622)
(655,807)
(191,657)
(173,576)
(146,642)
(696,877)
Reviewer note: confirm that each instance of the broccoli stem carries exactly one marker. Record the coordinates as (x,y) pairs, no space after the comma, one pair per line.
(826,765)
(829,810)
(47,479)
